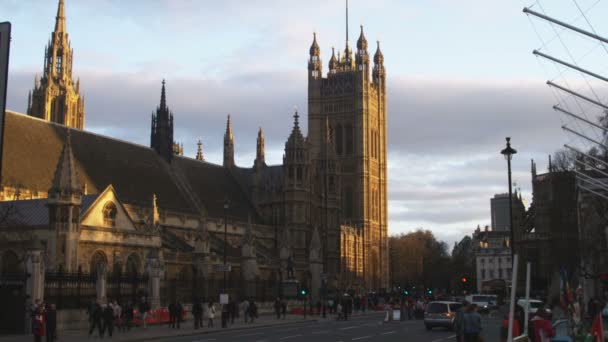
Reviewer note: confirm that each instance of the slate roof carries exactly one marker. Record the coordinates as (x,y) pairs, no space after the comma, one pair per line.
(32,148)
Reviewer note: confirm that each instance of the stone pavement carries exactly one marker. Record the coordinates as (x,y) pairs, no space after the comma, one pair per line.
(162,331)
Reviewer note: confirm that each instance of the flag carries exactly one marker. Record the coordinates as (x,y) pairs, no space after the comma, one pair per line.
(566,293)
(597,331)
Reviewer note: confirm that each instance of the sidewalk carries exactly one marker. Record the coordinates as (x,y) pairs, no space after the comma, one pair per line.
(163,331)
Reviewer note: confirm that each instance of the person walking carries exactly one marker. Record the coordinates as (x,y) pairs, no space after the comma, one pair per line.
(51,323)
(277,307)
(96,317)
(459,322)
(339,311)
(128,316)
(108,320)
(39,324)
(253,310)
(197,312)
(543,331)
(284,308)
(472,324)
(143,311)
(171,310)
(246,310)
(179,313)
(118,321)
(210,314)
(504,328)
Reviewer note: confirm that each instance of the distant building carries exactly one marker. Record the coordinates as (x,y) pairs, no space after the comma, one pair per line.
(492,257)
(499,208)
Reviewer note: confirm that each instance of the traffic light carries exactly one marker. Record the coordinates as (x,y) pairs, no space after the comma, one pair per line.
(429,291)
(464,280)
(303,292)
(406,292)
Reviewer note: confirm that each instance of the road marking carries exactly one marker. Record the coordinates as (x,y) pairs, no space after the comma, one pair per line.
(254,334)
(320,332)
(346,328)
(360,338)
(445,338)
(287,337)
(388,332)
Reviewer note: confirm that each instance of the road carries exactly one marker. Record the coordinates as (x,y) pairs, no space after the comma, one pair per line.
(360,328)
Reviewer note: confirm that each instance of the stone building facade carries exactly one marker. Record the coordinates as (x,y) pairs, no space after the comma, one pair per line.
(100,205)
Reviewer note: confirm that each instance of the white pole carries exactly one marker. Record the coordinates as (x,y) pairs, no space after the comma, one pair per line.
(512,304)
(527,308)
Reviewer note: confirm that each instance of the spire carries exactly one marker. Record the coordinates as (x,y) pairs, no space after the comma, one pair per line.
(533,168)
(36,82)
(378,57)
(66,179)
(60,18)
(295,138)
(260,154)
(228,144)
(362,42)
(314,48)
(199,150)
(550,164)
(163,97)
(333,62)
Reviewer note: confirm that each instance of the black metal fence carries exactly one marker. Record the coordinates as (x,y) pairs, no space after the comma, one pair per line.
(127,287)
(12,297)
(69,290)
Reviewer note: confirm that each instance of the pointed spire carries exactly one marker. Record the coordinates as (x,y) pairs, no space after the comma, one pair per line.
(66,179)
(550,164)
(260,158)
(378,56)
(346,22)
(314,48)
(228,144)
(60,18)
(36,82)
(333,62)
(199,150)
(163,97)
(29,102)
(533,168)
(362,42)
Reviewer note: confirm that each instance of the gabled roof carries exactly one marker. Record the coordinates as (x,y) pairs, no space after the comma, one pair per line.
(32,149)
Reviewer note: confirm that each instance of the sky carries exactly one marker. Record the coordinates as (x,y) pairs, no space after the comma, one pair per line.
(460,78)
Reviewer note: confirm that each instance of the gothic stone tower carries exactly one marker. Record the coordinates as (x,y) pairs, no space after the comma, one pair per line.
(355,107)
(161,136)
(55,97)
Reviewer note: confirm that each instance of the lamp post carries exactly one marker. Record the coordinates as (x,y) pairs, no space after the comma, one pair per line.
(508,152)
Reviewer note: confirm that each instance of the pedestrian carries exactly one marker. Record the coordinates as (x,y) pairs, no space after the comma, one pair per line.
(197,312)
(277,307)
(459,322)
(210,314)
(96,317)
(339,311)
(118,321)
(284,308)
(543,331)
(108,320)
(472,324)
(143,311)
(128,315)
(253,310)
(51,323)
(345,307)
(171,310)
(246,309)
(39,324)
(179,313)
(504,328)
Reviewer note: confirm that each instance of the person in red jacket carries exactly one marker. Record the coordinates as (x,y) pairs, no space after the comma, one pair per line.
(543,331)
(39,324)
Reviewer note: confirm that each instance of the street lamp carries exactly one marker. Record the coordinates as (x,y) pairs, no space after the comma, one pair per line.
(508,152)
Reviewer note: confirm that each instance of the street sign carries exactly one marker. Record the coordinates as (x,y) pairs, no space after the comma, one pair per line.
(223,298)
(5,43)
(223,268)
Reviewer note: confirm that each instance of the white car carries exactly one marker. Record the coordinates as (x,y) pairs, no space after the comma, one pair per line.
(535,304)
(484,302)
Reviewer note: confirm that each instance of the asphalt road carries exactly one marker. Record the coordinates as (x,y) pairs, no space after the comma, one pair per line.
(360,328)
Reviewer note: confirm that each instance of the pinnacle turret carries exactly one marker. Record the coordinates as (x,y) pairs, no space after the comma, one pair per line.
(228,144)
(199,150)
(60,18)
(65,180)
(362,42)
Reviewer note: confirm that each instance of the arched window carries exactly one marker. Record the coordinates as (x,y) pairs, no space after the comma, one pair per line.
(339,138)
(58,62)
(133,264)
(10,262)
(349,138)
(98,260)
(109,214)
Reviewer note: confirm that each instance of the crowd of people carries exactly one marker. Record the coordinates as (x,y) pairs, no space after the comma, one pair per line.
(44,321)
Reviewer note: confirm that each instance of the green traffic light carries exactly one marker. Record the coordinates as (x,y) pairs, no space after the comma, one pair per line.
(303,292)
(406,292)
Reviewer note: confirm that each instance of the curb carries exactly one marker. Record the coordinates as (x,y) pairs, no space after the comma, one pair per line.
(208,332)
